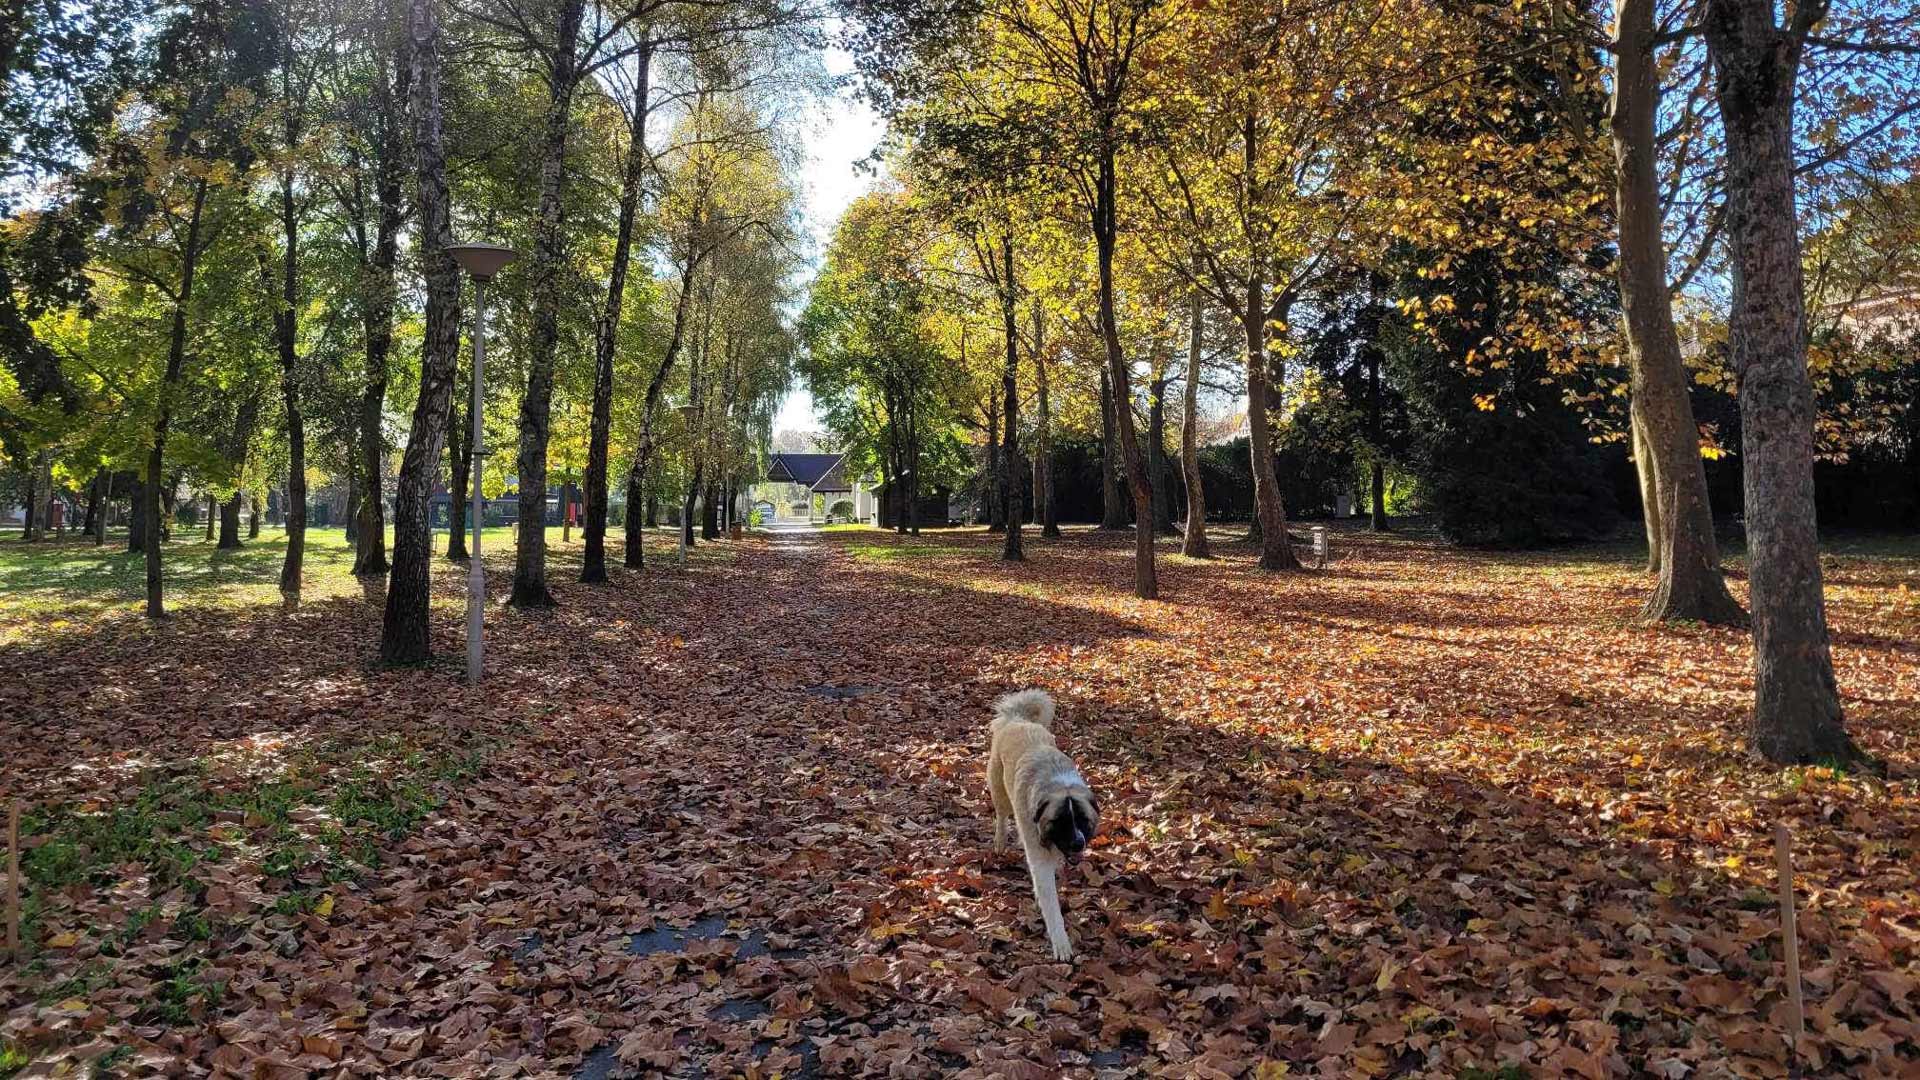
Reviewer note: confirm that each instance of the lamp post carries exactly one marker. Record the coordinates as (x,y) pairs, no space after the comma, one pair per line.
(481,262)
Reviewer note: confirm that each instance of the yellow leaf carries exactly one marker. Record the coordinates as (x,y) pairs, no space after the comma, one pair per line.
(1664,886)
(1353,864)
(1479,926)
(1385,980)
(324,908)
(63,941)
(72,1005)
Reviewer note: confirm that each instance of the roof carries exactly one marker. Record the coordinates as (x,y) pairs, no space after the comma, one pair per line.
(835,478)
(804,469)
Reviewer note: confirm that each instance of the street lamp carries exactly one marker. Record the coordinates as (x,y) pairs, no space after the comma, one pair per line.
(481,262)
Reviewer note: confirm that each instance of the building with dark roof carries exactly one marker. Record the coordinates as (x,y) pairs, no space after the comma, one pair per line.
(812,487)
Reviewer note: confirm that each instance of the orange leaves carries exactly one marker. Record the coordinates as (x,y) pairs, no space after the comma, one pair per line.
(1429,810)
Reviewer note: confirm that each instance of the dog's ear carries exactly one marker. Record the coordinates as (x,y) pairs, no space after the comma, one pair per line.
(1040,812)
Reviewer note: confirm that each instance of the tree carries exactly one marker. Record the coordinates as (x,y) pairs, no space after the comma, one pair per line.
(174,183)
(1666,441)
(874,359)
(1076,60)
(405,637)
(1796,711)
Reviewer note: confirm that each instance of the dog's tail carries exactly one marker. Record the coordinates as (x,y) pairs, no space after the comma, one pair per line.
(1031,706)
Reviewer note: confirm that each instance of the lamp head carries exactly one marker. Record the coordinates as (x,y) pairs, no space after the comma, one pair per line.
(481,260)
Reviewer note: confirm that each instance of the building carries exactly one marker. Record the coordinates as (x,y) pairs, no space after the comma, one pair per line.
(814,487)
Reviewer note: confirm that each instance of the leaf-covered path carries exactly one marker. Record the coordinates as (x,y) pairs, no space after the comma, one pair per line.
(1423,813)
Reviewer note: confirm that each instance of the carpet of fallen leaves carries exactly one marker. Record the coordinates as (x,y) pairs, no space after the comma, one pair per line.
(1422,813)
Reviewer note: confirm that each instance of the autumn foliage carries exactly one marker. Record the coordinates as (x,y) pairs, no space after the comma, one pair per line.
(1422,813)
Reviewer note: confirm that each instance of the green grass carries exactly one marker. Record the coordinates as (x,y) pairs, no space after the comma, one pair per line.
(882,553)
(318,817)
(48,585)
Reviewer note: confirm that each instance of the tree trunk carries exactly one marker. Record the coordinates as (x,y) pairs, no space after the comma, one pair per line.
(30,532)
(1682,548)
(709,513)
(1194,545)
(212,516)
(350,524)
(1649,489)
(593,565)
(1046,500)
(643,459)
(1796,714)
(1157,449)
(255,514)
(405,632)
(636,528)
(370,546)
(460,455)
(996,506)
(549,267)
(1010,510)
(1377,486)
(1113,509)
(687,507)
(1276,552)
(93,502)
(242,438)
(1146,583)
(137,515)
(176,363)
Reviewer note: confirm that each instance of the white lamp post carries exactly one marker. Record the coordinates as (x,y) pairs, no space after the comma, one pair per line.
(481,262)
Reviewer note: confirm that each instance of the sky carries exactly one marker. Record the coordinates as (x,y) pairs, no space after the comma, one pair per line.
(843,131)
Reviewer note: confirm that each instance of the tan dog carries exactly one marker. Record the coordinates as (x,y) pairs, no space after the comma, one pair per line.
(1039,788)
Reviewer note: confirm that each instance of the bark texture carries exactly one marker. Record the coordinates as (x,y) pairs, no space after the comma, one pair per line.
(549,266)
(1146,581)
(163,419)
(1796,712)
(1681,544)
(1113,507)
(1276,553)
(1194,545)
(1010,511)
(1046,506)
(405,633)
(593,565)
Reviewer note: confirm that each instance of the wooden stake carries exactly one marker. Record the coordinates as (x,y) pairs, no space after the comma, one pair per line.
(1790,935)
(13,881)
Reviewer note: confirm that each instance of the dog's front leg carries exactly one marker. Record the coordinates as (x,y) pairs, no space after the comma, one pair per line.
(1046,893)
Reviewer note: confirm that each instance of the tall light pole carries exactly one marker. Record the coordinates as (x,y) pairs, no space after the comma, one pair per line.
(481,262)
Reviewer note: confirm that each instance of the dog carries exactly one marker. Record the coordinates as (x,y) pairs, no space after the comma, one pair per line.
(1039,790)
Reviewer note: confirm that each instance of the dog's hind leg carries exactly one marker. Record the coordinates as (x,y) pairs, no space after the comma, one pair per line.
(1002,807)
(1046,893)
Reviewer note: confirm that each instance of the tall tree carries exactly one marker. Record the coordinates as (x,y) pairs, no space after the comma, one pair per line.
(405,634)
(1757,60)
(593,566)
(1666,439)
(1194,545)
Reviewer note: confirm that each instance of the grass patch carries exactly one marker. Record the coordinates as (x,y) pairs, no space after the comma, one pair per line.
(889,552)
(294,824)
(55,584)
